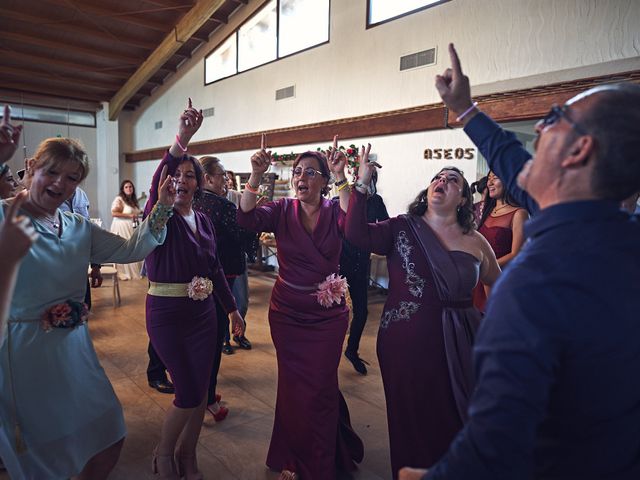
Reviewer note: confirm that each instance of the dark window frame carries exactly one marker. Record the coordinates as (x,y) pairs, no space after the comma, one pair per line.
(411,12)
(235,32)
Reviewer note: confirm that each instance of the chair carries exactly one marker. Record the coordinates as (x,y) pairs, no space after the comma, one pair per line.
(108,270)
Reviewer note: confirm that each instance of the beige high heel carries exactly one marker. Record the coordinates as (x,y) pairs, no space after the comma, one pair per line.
(182,460)
(164,466)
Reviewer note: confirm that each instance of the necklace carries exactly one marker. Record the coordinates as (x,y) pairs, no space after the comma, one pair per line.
(497,209)
(51,222)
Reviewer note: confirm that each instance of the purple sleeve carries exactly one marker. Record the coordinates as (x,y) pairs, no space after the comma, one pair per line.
(172,163)
(261,219)
(371,237)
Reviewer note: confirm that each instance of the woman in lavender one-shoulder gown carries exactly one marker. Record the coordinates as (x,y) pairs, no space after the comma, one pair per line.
(434,257)
(312,436)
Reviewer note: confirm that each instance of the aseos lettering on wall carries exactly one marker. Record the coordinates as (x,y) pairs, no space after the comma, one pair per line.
(449,153)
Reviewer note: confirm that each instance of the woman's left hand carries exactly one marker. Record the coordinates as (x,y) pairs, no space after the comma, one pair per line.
(337,160)
(166,191)
(237,323)
(407,473)
(9,136)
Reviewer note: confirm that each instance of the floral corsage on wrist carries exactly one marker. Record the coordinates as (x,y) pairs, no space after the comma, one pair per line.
(69,314)
(331,291)
(200,288)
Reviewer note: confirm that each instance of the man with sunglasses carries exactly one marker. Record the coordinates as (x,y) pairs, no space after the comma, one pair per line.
(557,356)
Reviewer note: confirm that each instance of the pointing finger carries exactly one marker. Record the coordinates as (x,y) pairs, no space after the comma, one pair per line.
(455,61)
(263,141)
(7,114)
(15,205)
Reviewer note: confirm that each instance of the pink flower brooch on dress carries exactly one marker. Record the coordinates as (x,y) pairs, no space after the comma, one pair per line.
(69,314)
(200,288)
(331,291)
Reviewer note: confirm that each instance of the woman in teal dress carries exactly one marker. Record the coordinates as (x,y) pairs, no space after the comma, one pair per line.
(59,415)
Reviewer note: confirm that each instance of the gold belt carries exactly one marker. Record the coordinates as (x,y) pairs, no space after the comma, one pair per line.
(158,289)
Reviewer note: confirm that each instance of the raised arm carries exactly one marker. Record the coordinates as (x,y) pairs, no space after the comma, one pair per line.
(372,237)
(189,123)
(260,163)
(337,162)
(9,136)
(505,154)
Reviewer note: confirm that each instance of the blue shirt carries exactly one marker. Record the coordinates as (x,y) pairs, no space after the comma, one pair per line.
(78,203)
(557,357)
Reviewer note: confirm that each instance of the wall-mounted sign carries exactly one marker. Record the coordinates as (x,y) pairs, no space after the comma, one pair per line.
(449,153)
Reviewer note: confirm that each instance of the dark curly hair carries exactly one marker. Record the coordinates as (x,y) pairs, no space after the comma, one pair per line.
(465,215)
(131,200)
(322,164)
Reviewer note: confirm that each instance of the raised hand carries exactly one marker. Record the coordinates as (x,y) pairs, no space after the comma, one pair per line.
(453,86)
(9,136)
(337,160)
(237,323)
(365,167)
(261,160)
(16,232)
(166,190)
(407,473)
(190,122)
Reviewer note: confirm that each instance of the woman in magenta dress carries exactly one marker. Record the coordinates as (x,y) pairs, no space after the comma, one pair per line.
(434,257)
(312,435)
(501,222)
(181,314)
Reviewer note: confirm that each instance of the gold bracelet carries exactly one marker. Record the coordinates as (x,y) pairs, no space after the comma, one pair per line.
(343,186)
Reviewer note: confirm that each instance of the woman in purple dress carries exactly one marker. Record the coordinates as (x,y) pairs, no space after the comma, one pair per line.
(181,314)
(312,435)
(434,257)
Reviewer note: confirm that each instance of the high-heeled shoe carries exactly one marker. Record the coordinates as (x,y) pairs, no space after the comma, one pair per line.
(181,461)
(288,475)
(220,415)
(164,466)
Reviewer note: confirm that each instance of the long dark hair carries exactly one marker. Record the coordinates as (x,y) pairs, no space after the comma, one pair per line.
(131,200)
(490,203)
(464,214)
(322,164)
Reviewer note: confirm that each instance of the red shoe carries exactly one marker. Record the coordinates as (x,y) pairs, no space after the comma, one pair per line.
(218,398)
(220,415)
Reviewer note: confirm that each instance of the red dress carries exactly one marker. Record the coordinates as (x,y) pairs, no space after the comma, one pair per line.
(498,232)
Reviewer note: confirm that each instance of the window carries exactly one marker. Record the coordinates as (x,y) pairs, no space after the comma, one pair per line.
(278,29)
(52,115)
(303,24)
(222,62)
(381,11)
(258,38)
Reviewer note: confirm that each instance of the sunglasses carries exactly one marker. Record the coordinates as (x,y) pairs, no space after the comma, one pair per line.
(310,172)
(554,116)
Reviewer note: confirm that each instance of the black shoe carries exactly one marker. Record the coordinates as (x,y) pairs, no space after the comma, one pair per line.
(163,386)
(357,362)
(243,342)
(227,349)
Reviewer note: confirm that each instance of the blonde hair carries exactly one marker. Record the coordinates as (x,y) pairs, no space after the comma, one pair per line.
(56,151)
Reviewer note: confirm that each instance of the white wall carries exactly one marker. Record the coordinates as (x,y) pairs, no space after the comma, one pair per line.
(35,132)
(504,44)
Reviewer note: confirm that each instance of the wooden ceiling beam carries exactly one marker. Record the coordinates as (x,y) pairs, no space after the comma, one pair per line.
(168,3)
(19,98)
(66,25)
(186,27)
(137,18)
(76,94)
(69,79)
(46,60)
(69,47)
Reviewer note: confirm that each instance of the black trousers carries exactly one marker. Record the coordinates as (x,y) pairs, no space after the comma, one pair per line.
(156,371)
(358,286)
(223,330)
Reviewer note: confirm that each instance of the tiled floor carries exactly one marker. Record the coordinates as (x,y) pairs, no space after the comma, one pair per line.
(235,448)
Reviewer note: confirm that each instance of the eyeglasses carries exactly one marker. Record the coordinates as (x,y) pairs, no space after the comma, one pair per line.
(554,116)
(310,172)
